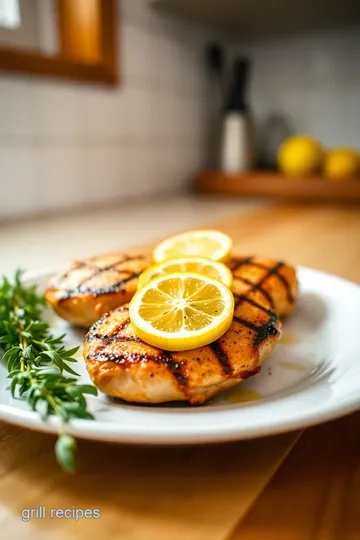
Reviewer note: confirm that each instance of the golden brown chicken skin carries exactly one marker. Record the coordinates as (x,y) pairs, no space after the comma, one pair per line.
(91,287)
(270,283)
(123,366)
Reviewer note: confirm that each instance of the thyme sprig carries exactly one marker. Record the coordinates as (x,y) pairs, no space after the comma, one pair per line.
(37,362)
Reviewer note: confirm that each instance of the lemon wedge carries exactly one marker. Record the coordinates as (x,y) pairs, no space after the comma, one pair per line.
(181,311)
(200,265)
(213,245)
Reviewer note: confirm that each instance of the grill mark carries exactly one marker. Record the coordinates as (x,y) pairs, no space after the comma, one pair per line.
(121,339)
(283,280)
(81,289)
(102,319)
(88,263)
(273,271)
(100,349)
(242,262)
(106,339)
(62,277)
(101,290)
(243,298)
(100,270)
(57,283)
(270,272)
(100,354)
(98,323)
(246,323)
(165,358)
(265,332)
(174,367)
(251,262)
(262,332)
(222,357)
(257,287)
(286,284)
(120,358)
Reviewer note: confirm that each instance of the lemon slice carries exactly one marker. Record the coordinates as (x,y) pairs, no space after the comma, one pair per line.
(200,265)
(181,311)
(213,245)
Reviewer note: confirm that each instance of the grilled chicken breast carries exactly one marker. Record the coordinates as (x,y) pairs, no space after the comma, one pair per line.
(122,365)
(92,287)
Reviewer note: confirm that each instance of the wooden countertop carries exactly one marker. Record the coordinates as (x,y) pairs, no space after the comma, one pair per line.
(201,493)
(315,494)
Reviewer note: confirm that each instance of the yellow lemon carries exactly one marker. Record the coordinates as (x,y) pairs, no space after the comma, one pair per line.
(300,156)
(200,265)
(181,311)
(341,163)
(213,245)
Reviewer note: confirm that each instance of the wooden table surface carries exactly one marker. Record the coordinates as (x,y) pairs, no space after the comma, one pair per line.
(201,493)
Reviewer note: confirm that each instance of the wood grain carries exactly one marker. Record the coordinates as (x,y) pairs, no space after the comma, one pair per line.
(315,495)
(79,25)
(200,493)
(274,184)
(142,492)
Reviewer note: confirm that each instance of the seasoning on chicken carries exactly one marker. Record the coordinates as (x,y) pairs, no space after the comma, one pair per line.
(91,287)
(123,366)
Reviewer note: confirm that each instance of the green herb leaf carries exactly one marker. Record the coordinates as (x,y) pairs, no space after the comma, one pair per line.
(88,389)
(65,449)
(37,362)
(42,407)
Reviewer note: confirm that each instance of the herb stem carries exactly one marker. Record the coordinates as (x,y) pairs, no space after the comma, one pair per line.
(36,362)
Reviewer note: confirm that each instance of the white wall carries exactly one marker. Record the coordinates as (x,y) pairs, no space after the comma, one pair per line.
(314,79)
(63,144)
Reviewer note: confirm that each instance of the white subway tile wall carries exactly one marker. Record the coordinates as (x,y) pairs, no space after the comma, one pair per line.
(314,79)
(64,145)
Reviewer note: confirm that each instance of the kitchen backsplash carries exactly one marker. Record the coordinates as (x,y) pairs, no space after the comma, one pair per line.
(314,79)
(65,145)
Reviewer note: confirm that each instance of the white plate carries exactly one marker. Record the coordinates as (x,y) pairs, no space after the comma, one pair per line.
(311,377)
